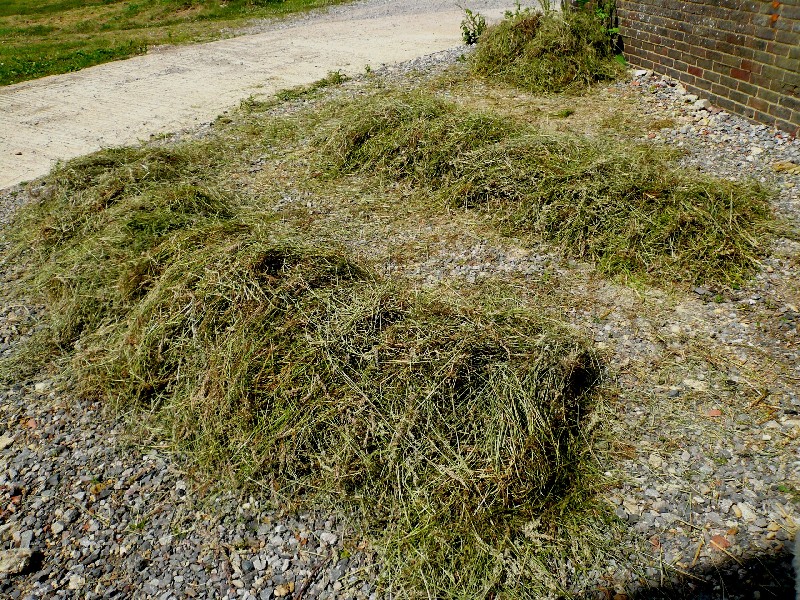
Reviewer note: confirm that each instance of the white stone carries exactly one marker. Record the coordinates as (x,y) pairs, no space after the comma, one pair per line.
(698,386)
(702,104)
(15,560)
(76,582)
(747,511)
(631,506)
(755,150)
(641,72)
(284,590)
(329,538)
(690,98)
(5,441)
(41,386)
(9,530)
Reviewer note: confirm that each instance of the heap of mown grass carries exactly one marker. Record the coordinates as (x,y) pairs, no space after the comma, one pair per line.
(458,426)
(549,52)
(628,207)
(133,196)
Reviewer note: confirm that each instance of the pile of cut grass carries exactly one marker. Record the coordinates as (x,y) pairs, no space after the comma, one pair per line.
(630,208)
(550,52)
(409,136)
(457,426)
(134,196)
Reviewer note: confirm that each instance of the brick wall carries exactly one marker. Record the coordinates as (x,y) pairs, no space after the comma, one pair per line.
(743,55)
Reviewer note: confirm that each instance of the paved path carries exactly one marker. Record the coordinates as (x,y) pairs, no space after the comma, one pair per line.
(119,103)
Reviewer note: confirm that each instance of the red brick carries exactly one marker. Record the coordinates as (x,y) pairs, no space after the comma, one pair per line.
(749,65)
(758,104)
(740,74)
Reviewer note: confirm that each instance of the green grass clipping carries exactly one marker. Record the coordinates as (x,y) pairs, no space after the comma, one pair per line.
(456,426)
(549,52)
(628,207)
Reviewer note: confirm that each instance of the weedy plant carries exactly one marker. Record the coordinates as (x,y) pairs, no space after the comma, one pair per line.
(456,426)
(628,207)
(564,113)
(472,27)
(551,51)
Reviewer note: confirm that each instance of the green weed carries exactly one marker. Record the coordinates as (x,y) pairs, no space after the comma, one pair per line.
(659,124)
(305,91)
(472,27)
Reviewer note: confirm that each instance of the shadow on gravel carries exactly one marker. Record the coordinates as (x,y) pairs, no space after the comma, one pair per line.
(768,577)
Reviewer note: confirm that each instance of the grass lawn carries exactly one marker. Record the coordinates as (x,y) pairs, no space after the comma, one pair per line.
(46,37)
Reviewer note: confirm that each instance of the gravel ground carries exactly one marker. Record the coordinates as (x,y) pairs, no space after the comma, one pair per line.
(712,413)
(708,472)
